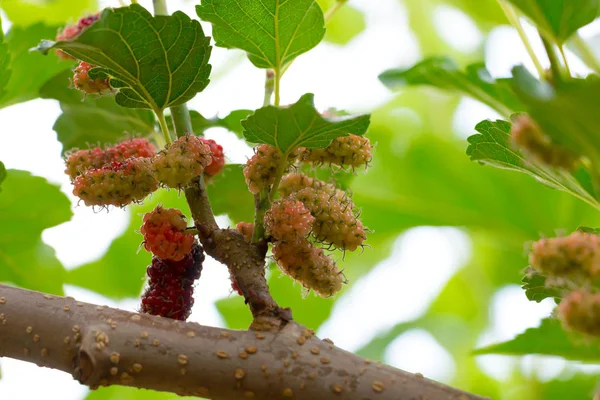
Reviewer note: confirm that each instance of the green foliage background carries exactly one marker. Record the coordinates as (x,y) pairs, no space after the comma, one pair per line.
(431,182)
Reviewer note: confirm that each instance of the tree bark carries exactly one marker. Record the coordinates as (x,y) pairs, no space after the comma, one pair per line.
(102,346)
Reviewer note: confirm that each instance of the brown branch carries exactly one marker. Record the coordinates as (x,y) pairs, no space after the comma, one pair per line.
(245,261)
(102,346)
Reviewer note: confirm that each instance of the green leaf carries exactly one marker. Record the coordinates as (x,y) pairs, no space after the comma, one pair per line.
(548,339)
(492,147)
(56,12)
(443,73)
(272,32)
(95,121)
(120,272)
(299,125)
(537,290)
(559,19)
(228,194)
(29,205)
(28,71)
(155,62)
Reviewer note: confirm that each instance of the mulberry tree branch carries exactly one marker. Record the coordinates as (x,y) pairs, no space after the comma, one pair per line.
(102,346)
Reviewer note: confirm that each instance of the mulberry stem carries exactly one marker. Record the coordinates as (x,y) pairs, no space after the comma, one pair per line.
(164,127)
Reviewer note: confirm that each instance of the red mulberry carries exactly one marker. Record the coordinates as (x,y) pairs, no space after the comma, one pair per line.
(83,81)
(164,234)
(218,158)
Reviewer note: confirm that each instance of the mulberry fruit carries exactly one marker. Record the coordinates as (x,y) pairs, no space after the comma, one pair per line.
(118,183)
(309,265)
(71,32)
(573,256)
(335,222)
(527,135)
(288,220)
(170,289)
(292,183)
(182,161)
(138,147)
(352,150)
(164,234)
(580,311)
(218,158)
(261,168)
(83,82)
(246,229)
(79,161)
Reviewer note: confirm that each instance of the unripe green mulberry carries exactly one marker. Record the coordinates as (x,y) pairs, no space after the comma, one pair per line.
(352,151)
(309,265)
(182,161)
(79,161)
(261,168)
(288,220)
(117,184)
(335,222)
(292,183)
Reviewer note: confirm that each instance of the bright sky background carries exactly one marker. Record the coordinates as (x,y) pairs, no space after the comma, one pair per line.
(343,77)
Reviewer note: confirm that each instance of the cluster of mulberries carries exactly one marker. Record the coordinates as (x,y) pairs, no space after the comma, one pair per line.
(78,161)
(527,135)
(115,176)
(351,151)
(71,32)
(165,234)
(335,222)
(171,285)
(572,263)
(117,183)
(308,265)
(181,161)
(88,85)
(316,208)
(131,170)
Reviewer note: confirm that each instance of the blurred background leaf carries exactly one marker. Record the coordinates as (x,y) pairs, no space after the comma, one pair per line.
(23,217)
(56,12)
